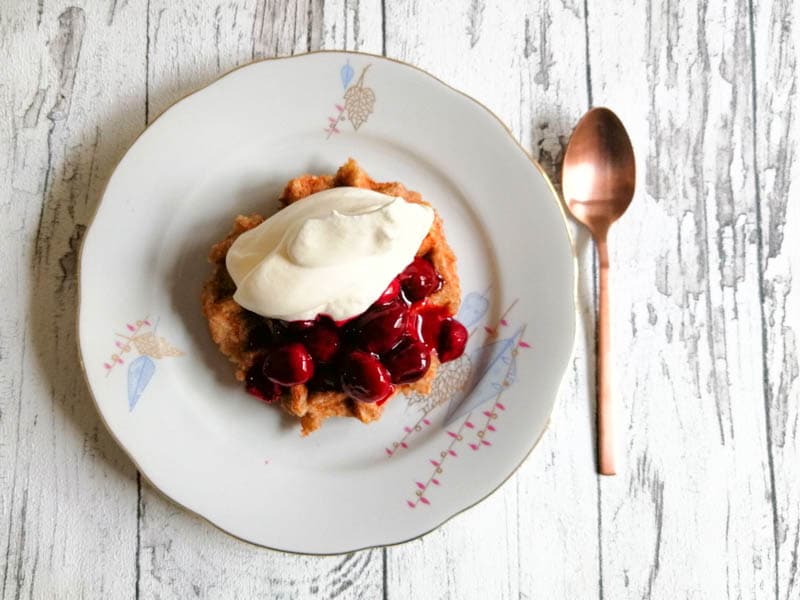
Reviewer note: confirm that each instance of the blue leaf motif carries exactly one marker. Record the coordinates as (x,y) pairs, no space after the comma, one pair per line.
(473,308)
(346,74)
(494,366)
(140,372)
(511,376)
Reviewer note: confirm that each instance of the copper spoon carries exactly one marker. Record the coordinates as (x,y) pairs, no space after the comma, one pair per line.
(598,178)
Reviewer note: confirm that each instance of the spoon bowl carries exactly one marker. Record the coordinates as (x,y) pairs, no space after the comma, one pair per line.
(598,180)
(599,172)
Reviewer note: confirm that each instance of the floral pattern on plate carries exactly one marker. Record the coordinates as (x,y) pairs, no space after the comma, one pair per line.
(357,104)
(142,339)
(479,377)
(186,420)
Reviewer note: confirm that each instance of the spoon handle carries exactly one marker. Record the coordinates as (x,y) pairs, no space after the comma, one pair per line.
(606,458)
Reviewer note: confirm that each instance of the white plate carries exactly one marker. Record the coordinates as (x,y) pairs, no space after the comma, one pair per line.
(169,396)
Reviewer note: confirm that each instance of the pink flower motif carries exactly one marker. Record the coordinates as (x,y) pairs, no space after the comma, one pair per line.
(483,429)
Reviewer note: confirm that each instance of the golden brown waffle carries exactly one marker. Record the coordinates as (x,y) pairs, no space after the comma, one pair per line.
(230,324)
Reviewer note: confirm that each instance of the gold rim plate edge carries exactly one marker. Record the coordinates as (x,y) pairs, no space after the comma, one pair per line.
(535,164)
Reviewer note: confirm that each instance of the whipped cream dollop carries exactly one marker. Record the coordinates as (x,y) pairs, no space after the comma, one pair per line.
(332,253)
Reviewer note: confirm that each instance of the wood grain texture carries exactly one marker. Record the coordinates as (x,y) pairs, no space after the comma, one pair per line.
(72,102)
(776,36)
(692,514)
(705,314)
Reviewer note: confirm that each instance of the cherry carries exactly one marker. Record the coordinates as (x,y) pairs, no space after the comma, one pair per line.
(267,332)
(390,293)
(322,340)
(408,361)
(428,323)
(381,327)
(261,387)
(452,340)
(419,279)
(364,378)
(290,364)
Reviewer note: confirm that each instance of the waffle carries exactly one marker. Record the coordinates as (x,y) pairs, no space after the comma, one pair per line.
(230,324)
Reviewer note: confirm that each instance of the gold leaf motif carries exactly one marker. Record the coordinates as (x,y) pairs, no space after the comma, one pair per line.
(359,101)
(154,346)
(167,349)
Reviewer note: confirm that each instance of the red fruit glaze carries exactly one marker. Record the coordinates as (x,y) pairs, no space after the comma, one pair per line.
(279,330)
(322,340)
(452,340)
(408,361)
(428,322)
(261,387)
(419,279)
(381,327)
(259,337)
(300,327)
(326,378)
(340,323)
(390,293)
(401,326)
(365,378)
(288,365)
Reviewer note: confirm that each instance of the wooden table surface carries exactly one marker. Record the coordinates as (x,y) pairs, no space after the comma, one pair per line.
(706,315)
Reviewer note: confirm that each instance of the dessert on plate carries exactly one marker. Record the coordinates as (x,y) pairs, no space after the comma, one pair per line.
(341,299)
